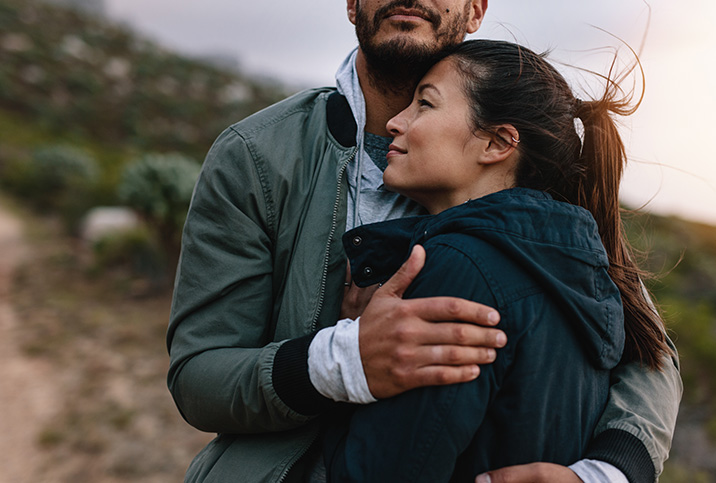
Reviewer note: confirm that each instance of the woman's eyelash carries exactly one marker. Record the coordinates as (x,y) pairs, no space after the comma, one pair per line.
(423,102)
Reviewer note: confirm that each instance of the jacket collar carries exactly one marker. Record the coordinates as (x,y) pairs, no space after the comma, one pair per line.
(341,123)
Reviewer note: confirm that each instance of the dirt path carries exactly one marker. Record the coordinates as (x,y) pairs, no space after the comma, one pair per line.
(26,384)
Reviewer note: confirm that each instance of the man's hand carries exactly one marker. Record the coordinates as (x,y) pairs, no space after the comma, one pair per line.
(401,348)
(355,299)
(530,473)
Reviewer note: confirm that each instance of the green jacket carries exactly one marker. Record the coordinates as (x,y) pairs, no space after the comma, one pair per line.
(261,271)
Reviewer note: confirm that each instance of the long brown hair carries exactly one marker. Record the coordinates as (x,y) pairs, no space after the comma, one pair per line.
(510,84)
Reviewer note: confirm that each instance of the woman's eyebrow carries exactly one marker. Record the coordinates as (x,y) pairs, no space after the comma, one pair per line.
(423,87)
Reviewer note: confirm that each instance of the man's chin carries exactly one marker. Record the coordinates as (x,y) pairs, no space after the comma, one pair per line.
(401,49)
(418,32)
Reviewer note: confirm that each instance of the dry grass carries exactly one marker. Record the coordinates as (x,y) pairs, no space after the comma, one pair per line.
(104,336)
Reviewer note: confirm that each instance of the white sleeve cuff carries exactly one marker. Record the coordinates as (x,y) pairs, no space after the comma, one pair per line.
(595,471)
(335,366)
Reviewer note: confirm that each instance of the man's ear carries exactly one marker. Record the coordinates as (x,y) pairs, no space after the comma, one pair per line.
(351,8)
(503,141)
(477,13)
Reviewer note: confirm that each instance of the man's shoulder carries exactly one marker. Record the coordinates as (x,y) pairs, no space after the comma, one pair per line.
(316,114)
(301,104)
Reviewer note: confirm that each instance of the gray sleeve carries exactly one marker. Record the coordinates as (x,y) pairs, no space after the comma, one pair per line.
(644,403)
(221,349)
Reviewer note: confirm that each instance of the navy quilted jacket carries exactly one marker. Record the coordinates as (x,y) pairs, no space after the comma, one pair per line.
(539,262)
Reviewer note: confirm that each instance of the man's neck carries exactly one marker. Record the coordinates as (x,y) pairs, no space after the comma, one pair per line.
(384,97)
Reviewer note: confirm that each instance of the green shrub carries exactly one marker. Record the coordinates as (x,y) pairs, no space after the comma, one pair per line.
(61,170)
(54,179)
(694,325)
(159,187)
(17,173)
(135,250)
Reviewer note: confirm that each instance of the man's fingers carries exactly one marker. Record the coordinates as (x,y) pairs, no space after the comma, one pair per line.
(444,375)
(406,274)
(451,355)
(453,334)
(347,282)
(446,309)
(530,473)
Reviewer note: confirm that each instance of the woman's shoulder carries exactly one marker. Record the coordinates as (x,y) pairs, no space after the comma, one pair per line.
(522,216)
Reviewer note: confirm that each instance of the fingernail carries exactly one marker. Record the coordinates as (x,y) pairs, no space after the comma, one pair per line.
(484,478)
(501,339)
(492,354)
(493,317)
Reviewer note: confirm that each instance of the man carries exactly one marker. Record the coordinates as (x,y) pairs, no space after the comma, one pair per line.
(256,353)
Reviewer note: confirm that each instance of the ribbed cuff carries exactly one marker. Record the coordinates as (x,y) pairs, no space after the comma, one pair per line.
(626,452)
(291,380)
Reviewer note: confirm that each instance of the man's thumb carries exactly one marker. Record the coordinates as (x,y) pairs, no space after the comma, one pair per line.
(407,273)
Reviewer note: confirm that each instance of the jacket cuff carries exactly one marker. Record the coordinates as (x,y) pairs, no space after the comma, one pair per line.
(625,451)
(292,382)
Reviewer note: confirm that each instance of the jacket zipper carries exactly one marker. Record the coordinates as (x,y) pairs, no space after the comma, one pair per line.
(324,275)
(300,455)
(322,293)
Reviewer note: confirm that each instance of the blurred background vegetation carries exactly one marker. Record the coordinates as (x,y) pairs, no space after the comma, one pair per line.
(93,116)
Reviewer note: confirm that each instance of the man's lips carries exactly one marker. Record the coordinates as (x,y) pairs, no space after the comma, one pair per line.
(407,14)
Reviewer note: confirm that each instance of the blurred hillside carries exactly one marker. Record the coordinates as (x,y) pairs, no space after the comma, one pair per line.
(82,78)
(89,112)
(96,7)
(682,257)
(87,108)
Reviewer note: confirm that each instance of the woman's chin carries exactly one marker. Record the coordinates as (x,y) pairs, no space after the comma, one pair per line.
(392,186)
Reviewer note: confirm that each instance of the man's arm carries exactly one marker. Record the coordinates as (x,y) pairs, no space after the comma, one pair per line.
(219,332)
(394,342)
(403,349)
(636,428)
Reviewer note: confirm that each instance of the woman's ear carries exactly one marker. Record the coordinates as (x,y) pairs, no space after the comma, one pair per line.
(502,142)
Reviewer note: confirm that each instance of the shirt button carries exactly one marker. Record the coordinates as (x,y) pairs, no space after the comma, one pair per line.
(357,241)
(367,271)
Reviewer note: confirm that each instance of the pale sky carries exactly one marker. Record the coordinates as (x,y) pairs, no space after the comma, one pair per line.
(672,169)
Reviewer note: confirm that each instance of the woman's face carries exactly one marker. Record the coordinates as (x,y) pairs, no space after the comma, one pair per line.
(434,156)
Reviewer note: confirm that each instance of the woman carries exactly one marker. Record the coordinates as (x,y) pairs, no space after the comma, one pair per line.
(524,218)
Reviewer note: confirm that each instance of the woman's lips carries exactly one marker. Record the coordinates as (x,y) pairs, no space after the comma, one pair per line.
(394,150)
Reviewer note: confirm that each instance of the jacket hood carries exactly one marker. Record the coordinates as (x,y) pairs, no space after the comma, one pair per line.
(557,243)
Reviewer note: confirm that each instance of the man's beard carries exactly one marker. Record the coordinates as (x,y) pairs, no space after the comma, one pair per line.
(400,63)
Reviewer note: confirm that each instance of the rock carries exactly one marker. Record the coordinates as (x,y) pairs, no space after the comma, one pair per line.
(102,221)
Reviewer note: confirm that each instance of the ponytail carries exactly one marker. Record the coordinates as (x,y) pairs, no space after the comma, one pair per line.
(603,157)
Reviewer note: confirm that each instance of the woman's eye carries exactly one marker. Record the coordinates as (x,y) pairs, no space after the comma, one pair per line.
(424,103)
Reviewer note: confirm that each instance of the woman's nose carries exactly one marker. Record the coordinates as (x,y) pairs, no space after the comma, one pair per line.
(396,125)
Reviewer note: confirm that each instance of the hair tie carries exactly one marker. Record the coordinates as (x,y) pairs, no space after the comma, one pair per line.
(577,106)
